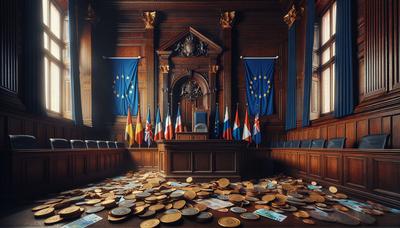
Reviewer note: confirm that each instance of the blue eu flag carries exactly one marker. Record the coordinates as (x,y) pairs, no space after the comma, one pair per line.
(125,86)
(259,86)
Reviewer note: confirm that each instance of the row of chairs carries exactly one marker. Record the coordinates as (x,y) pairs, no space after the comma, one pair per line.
(367,142)
(19,142)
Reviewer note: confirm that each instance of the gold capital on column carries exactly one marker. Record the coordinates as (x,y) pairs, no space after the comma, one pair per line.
(149,18)
(164,69)
(293,14)
(214,69)
(226,19)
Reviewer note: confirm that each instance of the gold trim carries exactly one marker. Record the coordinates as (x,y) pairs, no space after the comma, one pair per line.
(293,14)
(226,19)
(214,69)
(164,69)
(149,18)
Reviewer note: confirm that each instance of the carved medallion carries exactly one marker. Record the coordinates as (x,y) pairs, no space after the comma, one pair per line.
(190,46)
(191,90)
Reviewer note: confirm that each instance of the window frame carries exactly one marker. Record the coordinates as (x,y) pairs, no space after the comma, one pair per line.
(61,62)
(329,64)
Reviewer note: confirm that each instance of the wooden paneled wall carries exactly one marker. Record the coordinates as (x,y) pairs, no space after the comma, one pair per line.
(258,30)
(377,69)
(365,173)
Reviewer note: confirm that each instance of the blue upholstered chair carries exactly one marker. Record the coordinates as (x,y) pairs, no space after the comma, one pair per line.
(305,144)
(120,144)
(337,143)
(91,144)
(21,142)
(111,144)
(57,143)
(102,144)
(374,141)
(78,144)
(318,143)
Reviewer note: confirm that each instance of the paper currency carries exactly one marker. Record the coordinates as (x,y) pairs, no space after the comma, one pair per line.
(215,204)
(84,221)
(270,214)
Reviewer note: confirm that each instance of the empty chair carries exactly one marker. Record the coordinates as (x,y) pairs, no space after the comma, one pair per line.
(120,144)
(337,143)
(57,143)
(21,142)
(305,144)
(111,144)
(374,141)
(295,144)
(280,144)
(101,144)
(77,144)
(318,143)
(91,144)
(287,144)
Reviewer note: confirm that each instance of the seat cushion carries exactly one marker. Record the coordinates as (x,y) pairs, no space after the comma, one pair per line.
(78,144)
(111,144)
(337,143)
(102,144)
(57,143)
(120,144)
(318,143)
(305,144)
(374,142)
(91,144)
(20,142)
(295,144)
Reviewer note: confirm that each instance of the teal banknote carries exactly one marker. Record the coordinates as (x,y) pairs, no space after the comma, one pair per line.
(270,214)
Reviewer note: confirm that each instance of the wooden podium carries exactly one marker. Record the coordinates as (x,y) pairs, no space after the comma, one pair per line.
(195,136)
(200,159)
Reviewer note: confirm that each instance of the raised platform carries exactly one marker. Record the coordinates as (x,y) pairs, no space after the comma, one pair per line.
(202,159)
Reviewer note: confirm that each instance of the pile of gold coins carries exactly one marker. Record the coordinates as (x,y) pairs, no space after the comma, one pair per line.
(155,200)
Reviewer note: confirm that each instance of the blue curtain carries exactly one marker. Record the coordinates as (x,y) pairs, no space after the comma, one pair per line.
(260,86)
(125,86)
(308,71)
(291,81)
(344,97)
(74,55)
(33,81)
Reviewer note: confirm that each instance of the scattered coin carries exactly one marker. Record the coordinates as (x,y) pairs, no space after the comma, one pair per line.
(151,223)
(179,204)
(147,214)
(308,221)
(69,211)
(333,189)
(223,182)
(301,214)
(171,218)
(157,207)
(53,220)
(191,211)
(115,219)
(204,216)
(120,212)
(44,212)
(268,197)
(223,210)
(190,195)
(229,222)
(249,216)
(189,180)
(93,201)
(238,210)
(94,209)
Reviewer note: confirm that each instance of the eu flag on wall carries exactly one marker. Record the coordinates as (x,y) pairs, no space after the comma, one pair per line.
(125,86)
(260,85)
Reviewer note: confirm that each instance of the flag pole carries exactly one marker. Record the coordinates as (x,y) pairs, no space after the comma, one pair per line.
(136,123)
(248,144)
(148,108)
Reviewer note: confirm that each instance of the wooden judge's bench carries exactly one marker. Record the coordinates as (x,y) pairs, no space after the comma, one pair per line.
(200,159)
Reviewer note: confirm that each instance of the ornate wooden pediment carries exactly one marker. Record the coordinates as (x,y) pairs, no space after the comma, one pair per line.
(190,43)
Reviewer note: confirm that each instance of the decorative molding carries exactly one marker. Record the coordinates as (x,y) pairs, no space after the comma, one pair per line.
(191,46)
(164,69)
(191,90)
(226,19)
(149,18)
(293,15)
(91,14)
(214,69)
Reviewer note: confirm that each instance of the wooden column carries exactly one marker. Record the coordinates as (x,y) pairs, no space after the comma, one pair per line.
(163,85)
(149,21)
(213,89)
(226,24)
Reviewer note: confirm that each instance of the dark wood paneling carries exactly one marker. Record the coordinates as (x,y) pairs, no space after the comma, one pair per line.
(355,171)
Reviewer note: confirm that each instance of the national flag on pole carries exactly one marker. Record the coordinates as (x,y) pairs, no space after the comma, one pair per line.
(246,129)
(236,126)
(256,130)
(168,131)
(178,121)
(159,129)
(217,129)
(148,132)
(227,133)
(139,129)
(129,129)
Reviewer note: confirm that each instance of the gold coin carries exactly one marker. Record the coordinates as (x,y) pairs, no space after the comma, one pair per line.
(108,203)
(179,204)
(44,212)
(237,198)
(115,219)
(340,207)
(201,207)
(229,222)
(333,189)
(41,207)
(139,210)
(301,214)
(281,197)
(317,198)
(69,211)
(189,179)
(308,221)
(268,197)
(259,206)
(203,194)
(189,195)
(171,218)
(223,182)
(168,206)
(341,196)
(130,197)
(224,210)
(150,223)
(93,201)
(156,207)
(53,219)
(53,201)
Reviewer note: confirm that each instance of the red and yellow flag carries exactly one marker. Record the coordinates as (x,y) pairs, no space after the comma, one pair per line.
(129,129)
(139,129)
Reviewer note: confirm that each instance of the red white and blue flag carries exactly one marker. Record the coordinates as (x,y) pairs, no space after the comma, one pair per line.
(178,121)
(256,130)
(227,133)
(168,131)
(148,132)
(236,126)
(159,128)
(246,128)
